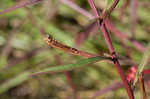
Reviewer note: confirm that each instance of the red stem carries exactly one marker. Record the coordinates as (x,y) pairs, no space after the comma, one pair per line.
(112,51)
(92,5)
(107,38)
(116,62)
(20,4)
(111,8)
(122,36)
(114,4)
(77,8)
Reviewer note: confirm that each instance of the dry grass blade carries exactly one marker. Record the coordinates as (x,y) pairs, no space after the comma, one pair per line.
(142,87)
(143,63)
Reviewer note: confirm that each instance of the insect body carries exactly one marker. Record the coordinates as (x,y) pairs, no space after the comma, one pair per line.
(53,43)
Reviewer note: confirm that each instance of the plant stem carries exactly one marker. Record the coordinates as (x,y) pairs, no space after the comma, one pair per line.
(109,88)
(77,8)
(21,4)
(143,63)
(111,49)
(141,84)
(122,36)
(108,11)
(116,62)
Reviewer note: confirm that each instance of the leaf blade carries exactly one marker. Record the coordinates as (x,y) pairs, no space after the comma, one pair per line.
(68,67)
(144,61)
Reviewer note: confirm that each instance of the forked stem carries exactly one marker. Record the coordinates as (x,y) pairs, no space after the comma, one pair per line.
(110,47)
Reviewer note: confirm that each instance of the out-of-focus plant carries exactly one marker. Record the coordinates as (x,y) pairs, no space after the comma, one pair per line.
(26,60)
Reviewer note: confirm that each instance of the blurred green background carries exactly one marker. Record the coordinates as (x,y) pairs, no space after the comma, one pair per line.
(22,49)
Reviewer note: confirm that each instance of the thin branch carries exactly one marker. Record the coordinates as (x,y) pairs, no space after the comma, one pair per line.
(122,36)
(116,62)
(108,11)
(77,8)
(20,5)
(92,5)
(113,6)
(109,88)
(142,87)
(112,51)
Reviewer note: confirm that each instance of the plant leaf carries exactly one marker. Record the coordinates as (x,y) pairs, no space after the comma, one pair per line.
(143,63)
(14,82)
(67,67)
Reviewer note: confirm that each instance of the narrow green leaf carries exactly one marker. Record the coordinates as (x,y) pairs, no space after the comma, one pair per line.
(67,67)
(143,63)
(14,82)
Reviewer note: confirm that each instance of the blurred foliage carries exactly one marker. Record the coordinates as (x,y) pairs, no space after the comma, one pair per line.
(23,50)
